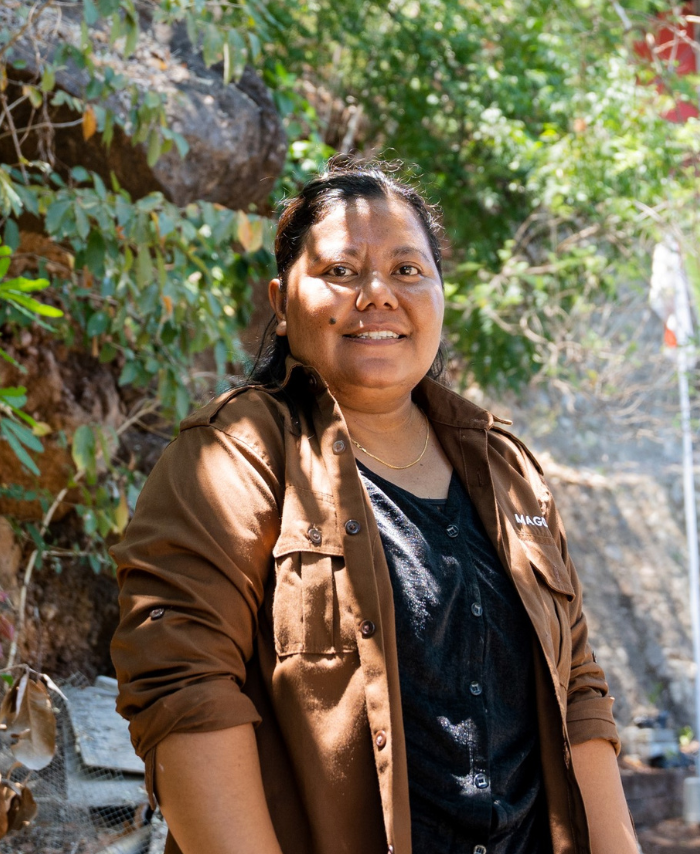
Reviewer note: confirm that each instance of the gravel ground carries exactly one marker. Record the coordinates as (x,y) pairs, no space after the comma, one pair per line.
(670,837)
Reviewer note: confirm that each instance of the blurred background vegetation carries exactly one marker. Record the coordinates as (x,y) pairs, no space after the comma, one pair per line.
(540,127)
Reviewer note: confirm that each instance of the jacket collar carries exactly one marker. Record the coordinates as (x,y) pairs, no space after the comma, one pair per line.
(441,404)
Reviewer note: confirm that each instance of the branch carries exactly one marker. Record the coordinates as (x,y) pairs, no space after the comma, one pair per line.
(15,138)
(45,522)
(622,15)
(22,30)
(44,126)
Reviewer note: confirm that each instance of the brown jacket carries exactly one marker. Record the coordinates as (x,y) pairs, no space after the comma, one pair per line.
(254,588)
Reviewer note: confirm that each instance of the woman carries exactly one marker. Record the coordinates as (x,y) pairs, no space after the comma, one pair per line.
(349,618)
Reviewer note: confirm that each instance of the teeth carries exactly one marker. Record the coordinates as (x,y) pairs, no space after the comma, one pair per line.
(382,334)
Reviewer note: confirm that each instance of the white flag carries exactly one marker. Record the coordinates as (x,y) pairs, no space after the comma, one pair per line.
(669,297)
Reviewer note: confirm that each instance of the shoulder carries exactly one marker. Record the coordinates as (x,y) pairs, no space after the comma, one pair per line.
(248,419)
(228,411)
(514,450)
(521,461)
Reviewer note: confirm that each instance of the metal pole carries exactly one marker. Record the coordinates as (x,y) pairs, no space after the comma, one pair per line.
(684,331)
(691,524)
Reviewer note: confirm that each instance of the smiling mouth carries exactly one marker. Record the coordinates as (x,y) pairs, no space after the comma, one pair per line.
(376,336)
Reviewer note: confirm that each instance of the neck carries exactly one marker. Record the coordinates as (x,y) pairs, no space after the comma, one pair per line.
(385,418)
(394,437)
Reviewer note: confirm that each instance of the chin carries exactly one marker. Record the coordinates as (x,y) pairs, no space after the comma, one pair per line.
(380,379)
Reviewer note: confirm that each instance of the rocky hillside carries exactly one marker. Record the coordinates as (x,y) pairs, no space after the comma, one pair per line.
(612,453)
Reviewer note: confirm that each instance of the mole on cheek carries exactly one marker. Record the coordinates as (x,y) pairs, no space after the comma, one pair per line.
(332,321)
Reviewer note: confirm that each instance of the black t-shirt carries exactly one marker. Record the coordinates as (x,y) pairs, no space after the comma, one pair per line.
(467,682)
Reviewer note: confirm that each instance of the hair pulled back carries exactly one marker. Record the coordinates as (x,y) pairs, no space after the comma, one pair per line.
(344,179)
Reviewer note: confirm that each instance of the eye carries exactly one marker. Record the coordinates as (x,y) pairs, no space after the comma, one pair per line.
(408,270)
(338,271)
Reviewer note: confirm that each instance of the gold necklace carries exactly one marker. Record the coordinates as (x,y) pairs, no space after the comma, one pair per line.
(389,465)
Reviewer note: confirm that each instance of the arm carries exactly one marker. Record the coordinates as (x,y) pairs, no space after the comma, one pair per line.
(192,571)
(609,823)
(210,792)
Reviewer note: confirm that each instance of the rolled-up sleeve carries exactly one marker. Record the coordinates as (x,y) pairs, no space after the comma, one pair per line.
(589,707)
(192,571)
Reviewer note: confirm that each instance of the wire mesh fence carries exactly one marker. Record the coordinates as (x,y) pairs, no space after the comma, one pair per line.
(82,808)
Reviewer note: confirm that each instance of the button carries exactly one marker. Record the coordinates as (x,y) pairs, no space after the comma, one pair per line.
(380,739)
(479,849)
(157,613)
(352,527)
(475,688)
(313,382)
(339,447)
(315,536)
(477,610)
(452,531)
(481,781)
(367,629)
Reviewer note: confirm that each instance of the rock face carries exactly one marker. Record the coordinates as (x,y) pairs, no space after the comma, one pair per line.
(614,467)
(237,145)
(66,387)
(10,556)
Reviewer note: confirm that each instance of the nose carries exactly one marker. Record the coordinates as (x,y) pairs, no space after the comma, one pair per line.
(375,292)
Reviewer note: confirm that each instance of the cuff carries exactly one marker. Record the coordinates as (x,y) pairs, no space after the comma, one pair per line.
(592,718)
(202,707)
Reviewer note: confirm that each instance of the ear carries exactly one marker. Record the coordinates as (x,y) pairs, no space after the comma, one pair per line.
(277,302)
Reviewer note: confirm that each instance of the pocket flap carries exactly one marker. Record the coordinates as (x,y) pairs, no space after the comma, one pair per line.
(308,524)
(547,561)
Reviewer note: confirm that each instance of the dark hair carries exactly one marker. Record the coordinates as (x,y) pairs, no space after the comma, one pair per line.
(344,179)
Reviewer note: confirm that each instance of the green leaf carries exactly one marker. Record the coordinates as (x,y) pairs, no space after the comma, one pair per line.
(90,13)
(48,79)
(55,213)
(14,395)
(129,373)
(11,236)
(155,144)
(181,143)
(89,522)
(17,448)
(80,174)
(82,223)
(95,254)
(100,188)
(29,198)
(22,285)
(84,449)
(144,268)
(25,436)
(98,324)
(132,34)
(108,353)
(182,402)
(35,97)
(35,306)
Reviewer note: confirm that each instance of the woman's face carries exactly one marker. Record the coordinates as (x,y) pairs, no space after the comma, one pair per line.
(364,302)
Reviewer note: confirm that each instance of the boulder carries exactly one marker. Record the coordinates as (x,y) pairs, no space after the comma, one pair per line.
(237,144)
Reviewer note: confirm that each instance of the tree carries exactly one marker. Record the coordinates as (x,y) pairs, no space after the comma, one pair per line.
(528,123)
(532,123)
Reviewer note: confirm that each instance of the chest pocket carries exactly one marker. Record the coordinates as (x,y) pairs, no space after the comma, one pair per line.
(556,594)
(311,606)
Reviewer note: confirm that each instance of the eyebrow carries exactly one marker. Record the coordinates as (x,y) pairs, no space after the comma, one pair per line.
(409,250)
(354,252)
